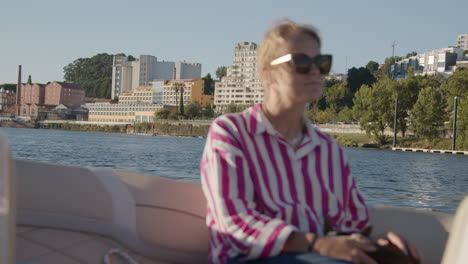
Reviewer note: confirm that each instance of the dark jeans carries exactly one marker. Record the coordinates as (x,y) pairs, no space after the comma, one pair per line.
(293,258)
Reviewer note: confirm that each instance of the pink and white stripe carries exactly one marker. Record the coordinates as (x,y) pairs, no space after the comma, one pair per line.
(259,189)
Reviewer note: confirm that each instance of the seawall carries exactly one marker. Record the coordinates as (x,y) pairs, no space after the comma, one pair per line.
(169,128)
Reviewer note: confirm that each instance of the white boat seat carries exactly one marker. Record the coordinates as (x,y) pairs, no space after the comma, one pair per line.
(7,203)
(418,226)
(456,251)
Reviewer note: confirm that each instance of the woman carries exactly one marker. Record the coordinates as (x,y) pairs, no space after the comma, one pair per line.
(272,180)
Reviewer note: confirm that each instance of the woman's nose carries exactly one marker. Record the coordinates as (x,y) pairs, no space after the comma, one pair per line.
(314,70)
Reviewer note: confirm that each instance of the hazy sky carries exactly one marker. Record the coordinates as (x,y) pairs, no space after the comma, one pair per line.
(44,36)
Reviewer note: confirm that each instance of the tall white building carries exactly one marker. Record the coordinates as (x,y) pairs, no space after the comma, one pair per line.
(122,71)
(187,70)
(441,61)
(242,84)
(128,75)
(462,41)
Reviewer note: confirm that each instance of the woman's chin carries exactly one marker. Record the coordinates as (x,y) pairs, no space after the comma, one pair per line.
(314,95)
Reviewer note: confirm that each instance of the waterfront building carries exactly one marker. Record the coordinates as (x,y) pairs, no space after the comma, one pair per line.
(69,94)
(140,95)
(128,75)
(139,104)
(107,110)
(158,91)
(64,112)
(462,41)
(37,99)
(193,90)
(242,84)
(32,93)
(7,102)
(32,98)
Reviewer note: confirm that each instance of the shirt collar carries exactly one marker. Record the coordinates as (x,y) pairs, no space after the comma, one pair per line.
(259,123)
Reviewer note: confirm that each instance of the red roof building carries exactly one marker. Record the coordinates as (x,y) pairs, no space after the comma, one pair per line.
(57,93)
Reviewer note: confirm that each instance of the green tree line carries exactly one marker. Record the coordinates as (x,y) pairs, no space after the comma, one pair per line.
(93,74)
(425,103)
(8,86)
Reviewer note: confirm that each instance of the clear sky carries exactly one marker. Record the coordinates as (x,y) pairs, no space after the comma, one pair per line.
(46,35)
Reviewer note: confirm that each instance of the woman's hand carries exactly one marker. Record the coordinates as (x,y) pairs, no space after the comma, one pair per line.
(404,245)
(352,248)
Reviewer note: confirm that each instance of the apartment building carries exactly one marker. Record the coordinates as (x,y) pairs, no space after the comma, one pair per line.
(442,61)
(187,70)
(242,84)
(193,90)
(128,75)
(462,41)
(107,110)
(400,69)
(141,95)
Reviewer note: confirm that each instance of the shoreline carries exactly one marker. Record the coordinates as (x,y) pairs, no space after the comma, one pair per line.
(187,129)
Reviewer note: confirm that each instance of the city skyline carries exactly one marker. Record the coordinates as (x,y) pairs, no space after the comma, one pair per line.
(48,35)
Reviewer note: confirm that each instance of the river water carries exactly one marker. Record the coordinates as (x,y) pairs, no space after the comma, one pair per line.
(418,180)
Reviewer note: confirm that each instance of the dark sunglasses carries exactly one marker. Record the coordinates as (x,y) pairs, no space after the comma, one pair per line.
(302,63)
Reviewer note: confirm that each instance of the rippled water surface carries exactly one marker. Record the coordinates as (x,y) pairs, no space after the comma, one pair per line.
(423,180)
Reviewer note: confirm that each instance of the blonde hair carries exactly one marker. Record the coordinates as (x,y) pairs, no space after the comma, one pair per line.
(275,39)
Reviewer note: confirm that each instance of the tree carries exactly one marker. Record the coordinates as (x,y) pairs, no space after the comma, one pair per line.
(319,116)
(162,113)
(179,87)
(373,108)
(231,108)
(372,66)
(8,86)
(346,115)
(207,112)
(234,108)
(93,74)
(411,54)
(436,81)
(335,96)
(458,86)
(428,113)
(331,82)
(193,110)
(221,72)
(173,116)
(384,71)
(208,84)
(29,79)
(406,91)
(356,78)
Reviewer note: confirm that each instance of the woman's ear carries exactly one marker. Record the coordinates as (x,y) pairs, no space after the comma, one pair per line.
(266,75)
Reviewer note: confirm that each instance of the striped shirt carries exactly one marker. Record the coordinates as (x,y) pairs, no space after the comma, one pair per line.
(259,188)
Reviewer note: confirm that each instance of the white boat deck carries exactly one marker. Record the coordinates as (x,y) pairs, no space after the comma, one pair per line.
(37,245)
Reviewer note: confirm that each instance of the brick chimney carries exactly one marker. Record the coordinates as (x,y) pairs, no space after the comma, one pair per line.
(18,92)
